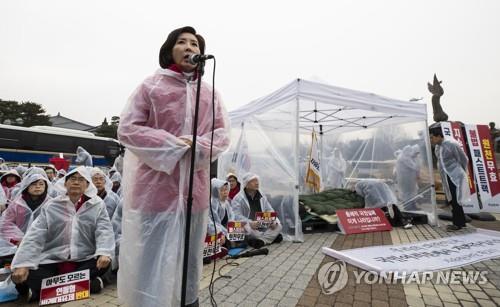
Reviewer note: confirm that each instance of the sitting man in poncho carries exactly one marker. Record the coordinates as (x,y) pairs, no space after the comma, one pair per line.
(71,233)
(246,204)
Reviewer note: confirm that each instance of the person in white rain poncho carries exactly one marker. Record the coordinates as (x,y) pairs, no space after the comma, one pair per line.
(83,157)
(452,165)
(25,207)
(21,169)
(3,200)
(222,212)
(51,172)
(246,204)
(116,180)
(156,128)
(116,220)
(377,194)
(337,167)
(72,232)
(104,186)
(9,180)
(61,173)
(52,192)
(407,173)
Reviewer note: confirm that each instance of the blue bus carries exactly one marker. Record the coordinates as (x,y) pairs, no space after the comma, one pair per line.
(40,143)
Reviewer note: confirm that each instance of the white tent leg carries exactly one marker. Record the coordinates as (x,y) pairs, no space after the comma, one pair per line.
(299,237)
(435,220)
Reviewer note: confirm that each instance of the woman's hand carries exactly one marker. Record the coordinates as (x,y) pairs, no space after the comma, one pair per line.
(186,141)
(20,275)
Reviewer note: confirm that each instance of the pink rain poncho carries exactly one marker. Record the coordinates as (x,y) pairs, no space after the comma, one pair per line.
(19,213)
(155,187)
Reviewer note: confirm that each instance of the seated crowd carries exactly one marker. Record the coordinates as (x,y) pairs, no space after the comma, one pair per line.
(65,222)
(60,223)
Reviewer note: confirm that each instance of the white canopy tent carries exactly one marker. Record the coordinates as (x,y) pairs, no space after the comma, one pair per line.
(271,137)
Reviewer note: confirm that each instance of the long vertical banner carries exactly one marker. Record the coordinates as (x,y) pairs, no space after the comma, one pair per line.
(483,160)
(453,131)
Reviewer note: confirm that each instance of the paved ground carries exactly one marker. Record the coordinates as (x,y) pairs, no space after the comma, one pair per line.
(287,277)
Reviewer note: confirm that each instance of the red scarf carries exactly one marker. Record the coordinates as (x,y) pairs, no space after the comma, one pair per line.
(9,185)
(81,201)
(177,69)
(234,191)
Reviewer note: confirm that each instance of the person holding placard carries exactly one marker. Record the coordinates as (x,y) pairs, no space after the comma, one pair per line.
(250,203)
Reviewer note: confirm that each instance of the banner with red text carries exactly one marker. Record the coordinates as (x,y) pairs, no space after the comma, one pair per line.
(352,221)
(485,171)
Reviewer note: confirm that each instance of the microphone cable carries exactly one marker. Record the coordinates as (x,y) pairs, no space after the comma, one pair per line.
(211,285)
(213,302)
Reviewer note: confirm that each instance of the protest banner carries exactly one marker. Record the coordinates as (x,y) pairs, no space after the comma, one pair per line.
(423,256)
(65,288)
(352,221)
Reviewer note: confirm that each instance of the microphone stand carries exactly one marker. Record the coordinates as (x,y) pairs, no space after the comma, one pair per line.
(199,73)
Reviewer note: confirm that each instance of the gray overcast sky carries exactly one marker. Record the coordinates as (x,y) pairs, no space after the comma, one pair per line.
(84,58)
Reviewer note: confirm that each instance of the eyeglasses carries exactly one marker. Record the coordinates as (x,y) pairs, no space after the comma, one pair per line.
(77,179)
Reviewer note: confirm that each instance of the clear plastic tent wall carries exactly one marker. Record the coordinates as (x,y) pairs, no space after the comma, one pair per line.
(271,137)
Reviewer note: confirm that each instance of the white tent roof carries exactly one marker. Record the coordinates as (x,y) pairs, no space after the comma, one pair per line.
(333,106)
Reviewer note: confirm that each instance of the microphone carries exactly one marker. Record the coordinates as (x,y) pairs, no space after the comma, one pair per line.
(256,252)
(197,58)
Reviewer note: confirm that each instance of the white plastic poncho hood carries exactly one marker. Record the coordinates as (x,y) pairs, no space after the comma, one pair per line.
(36,170)
(219,208)
(246,178)
(337,167)
(83,157)
(28,180)
(31,172)
(11,172)
(111,199)
(18,213)
(155,186)
(95,171)
(85,173)
(407,172)
(116,177)
(377,194)
(409,157)
(21,169)
(337,162)
(11,192)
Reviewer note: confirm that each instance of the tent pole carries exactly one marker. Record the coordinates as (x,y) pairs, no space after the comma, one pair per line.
(321,157)
(298,222)
(431,174)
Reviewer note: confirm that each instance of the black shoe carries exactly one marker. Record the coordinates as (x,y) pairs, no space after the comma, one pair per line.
(256,243)
(96,285)
(278,239)
(207,260)
(453,228)
(22,289)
